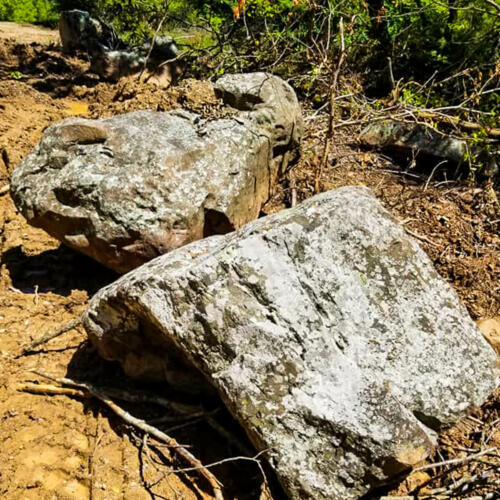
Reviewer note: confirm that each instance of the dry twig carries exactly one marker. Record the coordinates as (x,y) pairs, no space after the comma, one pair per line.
(49,336)
(455,461)
(50,390)
(179,450)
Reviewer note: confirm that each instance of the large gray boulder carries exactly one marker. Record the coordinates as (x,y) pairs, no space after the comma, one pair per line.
(126,189)
(325,330)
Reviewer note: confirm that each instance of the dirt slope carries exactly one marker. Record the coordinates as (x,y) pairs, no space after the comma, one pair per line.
(62,448)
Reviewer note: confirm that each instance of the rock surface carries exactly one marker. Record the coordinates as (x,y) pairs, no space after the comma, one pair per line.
(112,58)
(128,188)
(78,31)
(325,330)
(415,141)
(269,101)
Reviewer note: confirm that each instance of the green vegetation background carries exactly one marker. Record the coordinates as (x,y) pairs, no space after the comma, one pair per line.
(425,40)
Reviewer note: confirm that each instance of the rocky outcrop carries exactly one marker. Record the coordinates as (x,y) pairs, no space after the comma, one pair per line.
(111,58)
(126,189)
(415,142)
(325,330)
(79,31)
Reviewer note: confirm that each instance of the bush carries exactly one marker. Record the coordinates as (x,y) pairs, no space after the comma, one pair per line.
(29,11)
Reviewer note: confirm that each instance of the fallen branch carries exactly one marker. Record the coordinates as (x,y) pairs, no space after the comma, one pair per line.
(232,459)
(4,189)
(449,490)
(428,114)
(179,450)
(49,336)
(187,411)
(50,390)
(455,461)
(455,121)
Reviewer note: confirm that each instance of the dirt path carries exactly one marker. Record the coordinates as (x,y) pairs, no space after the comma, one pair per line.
(27,33)
(62,448)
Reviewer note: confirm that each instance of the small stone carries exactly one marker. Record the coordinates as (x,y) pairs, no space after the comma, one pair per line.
(490,328)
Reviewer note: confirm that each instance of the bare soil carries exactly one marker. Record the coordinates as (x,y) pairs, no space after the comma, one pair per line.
(57,447)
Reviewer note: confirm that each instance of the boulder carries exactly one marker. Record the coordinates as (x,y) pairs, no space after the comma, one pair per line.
(128,188)
(156,62)
(414,142)
(78,31)
(413,138)
(325,330)
(111,58)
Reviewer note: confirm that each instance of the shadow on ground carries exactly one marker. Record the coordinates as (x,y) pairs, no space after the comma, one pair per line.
(58,271)
(212,437)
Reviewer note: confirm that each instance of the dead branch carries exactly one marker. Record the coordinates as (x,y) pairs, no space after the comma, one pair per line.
(4,189)
(50,390)
(449,490)
(49,336)
(455,461)
(333,87)
(426,114)
(457,122)
(227,460)
(179,450)
(186,410)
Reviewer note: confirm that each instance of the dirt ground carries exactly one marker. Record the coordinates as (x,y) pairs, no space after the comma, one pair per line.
(57,447)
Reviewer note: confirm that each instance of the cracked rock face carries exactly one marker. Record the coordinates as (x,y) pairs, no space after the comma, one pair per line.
(325,330)
(129,188)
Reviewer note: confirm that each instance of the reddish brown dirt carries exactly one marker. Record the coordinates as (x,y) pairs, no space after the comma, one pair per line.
(66,448)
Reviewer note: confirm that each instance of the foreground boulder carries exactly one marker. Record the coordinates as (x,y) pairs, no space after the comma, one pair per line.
(325,330)
(126,189)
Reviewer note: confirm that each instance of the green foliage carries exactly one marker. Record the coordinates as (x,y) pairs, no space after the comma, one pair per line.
(29,11)
(16,75)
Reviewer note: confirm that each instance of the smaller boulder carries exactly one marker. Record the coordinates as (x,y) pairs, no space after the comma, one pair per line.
(414,141)
(78,30)
(111,58)
(413,138)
